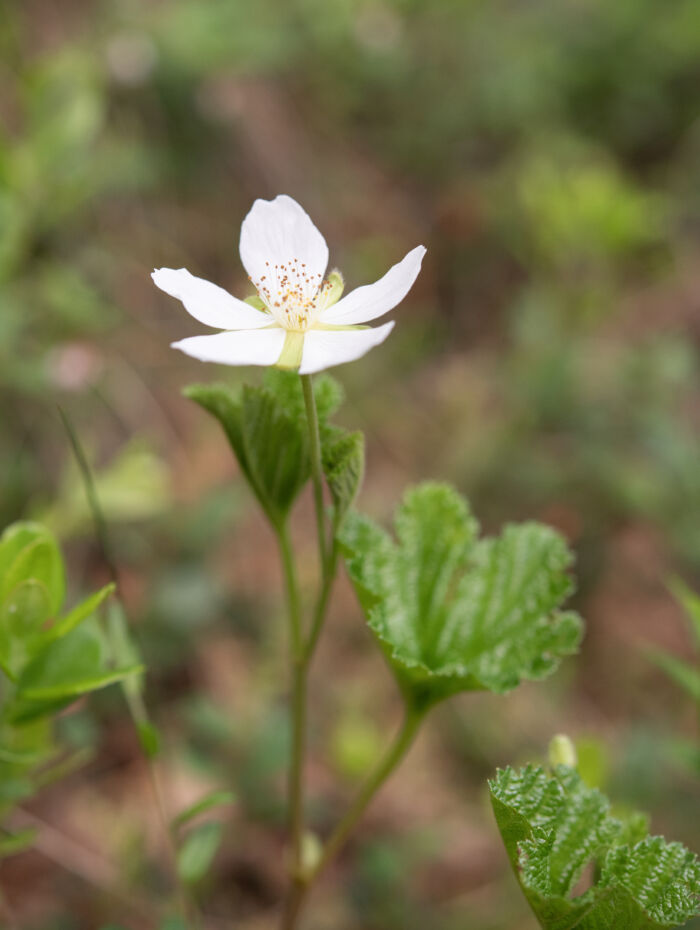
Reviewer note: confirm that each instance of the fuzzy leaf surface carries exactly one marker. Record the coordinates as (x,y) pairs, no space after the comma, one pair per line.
(553,827)
(455,613)
(267,441)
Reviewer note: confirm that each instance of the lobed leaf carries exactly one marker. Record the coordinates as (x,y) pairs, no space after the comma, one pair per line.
(343,463)
(554,827)
(267,441)
(454,613)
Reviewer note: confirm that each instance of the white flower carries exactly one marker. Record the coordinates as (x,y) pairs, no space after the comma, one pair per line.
(297,320)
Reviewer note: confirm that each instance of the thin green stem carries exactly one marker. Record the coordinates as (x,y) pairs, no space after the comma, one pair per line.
(298,701)
(394,755)
(322,603)
(291,586)
(316,469)
(134,699)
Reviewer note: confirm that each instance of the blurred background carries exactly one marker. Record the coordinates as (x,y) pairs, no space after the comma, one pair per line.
(547,362)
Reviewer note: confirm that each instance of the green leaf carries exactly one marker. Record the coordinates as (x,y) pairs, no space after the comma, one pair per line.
(197,852)
(344,467)
(69,667)
(23,613)
(553,827)
(28,551)
(209,801)
(453,613)
(78,614)
(276,450)
(125,653)
(684,674)
(286,388)
(12,843)
(690,602)
(268,442)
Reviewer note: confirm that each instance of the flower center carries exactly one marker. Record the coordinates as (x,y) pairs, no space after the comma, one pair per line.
(289,291)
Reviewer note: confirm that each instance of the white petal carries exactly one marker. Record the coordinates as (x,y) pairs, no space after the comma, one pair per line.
(325,348)
(368,302)
(241,347)
(207,302)
(276,232)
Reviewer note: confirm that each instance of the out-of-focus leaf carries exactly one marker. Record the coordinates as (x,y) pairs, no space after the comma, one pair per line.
(456,614)
(23,613)
(30,552)
(133,486)
(554,826)
(209,801)
(690,601)
(197,852)
(78,614)
(685,675)
(69,667)
(12,843)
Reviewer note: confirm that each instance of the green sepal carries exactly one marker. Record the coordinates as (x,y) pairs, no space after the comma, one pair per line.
(553,827)
(256,302)
(454,613)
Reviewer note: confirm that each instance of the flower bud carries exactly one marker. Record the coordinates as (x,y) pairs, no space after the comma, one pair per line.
(562,751)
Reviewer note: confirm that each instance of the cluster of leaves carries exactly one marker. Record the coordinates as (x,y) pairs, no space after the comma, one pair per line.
(48,658)
(456,613)
(554,827)
(267,431)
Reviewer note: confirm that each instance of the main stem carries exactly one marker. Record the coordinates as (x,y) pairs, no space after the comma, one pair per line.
(302,655)
(298,709)
(316,469)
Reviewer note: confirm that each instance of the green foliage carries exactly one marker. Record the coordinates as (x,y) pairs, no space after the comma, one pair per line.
(197,852)
(343,460)
(553,827)
(207,803)
(267,441)
(267,430)
(684,674)
(454,613)
(48,660)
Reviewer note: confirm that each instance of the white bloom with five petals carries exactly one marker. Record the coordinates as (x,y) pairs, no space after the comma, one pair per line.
(297,319)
